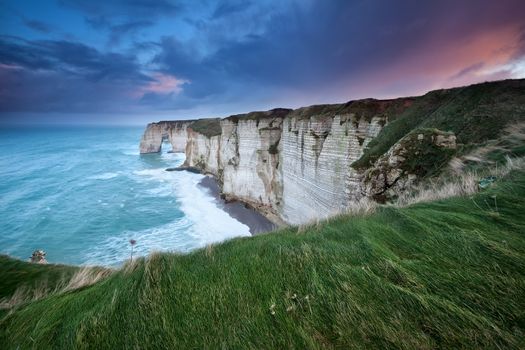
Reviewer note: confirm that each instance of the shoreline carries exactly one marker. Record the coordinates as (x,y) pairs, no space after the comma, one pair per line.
(238,210)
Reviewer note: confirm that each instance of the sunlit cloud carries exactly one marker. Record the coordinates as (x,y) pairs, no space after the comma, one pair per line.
(164,84)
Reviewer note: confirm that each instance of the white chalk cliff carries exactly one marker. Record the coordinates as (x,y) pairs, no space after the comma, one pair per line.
(298,166)
(293,166)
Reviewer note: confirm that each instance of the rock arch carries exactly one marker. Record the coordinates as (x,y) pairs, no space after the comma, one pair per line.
(156,133)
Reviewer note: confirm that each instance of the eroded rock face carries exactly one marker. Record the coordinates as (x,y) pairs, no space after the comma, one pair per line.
(316,154)
(244,158)
(293,169)
(151,141)
(414,156)
(293,166)
(302,165)
(250,160)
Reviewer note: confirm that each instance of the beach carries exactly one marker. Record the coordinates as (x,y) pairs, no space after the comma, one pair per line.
(257,222)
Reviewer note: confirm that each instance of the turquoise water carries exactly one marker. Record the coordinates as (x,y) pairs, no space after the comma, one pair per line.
(82,193)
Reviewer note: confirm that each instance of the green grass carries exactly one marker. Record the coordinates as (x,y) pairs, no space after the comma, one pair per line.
(207,127)
(447,274)
(30,279)
(258,115)
(475,113)
(15,274)
(366,109)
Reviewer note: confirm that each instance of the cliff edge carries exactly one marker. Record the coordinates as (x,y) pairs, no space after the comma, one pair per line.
(298,166)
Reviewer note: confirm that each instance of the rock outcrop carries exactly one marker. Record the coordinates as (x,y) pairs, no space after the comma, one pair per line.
(414,157)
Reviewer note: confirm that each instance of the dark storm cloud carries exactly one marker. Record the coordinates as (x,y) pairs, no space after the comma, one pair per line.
(173,55)
(133,9)
(334,41)
(53,91)
(120,18)
(69,57)
(39,26)
(117,32)
(48,75)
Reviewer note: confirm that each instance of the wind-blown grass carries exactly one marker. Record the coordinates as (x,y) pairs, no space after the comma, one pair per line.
(24,282)
(446,274)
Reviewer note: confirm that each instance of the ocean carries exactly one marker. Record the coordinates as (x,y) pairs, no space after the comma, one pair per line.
(81,193)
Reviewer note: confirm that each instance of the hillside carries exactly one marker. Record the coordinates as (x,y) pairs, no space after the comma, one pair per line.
(445,274)
(474,113)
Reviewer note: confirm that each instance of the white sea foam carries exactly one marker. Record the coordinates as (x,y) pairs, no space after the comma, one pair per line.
(128,149)
(177,158)
(162,180)
(116,249)
(203,221)
(210,223)
(158,174)
(104,176)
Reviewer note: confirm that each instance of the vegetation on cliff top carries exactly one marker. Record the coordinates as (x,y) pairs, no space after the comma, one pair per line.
(207,127)
(446,274)
(22,280)
(475,113)
(366,109)
(258,115)
(425,158)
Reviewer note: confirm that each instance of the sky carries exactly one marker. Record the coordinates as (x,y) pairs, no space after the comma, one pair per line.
(137,61)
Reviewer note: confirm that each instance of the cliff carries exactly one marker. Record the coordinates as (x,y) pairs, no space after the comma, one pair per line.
(290,165)
(297,166)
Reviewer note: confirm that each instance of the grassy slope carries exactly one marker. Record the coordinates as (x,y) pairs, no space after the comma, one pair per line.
(445,274)
(474,113)
(15,274)
(30,280)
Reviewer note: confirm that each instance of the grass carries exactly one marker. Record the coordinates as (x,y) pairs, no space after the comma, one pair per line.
(475,113)
(32,276)
(275,113)
(478,157)
(445,274)
(366,109)
(24,282)
(208,127)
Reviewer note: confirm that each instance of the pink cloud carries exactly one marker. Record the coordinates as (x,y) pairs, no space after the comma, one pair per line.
(163,84)
(443,62)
